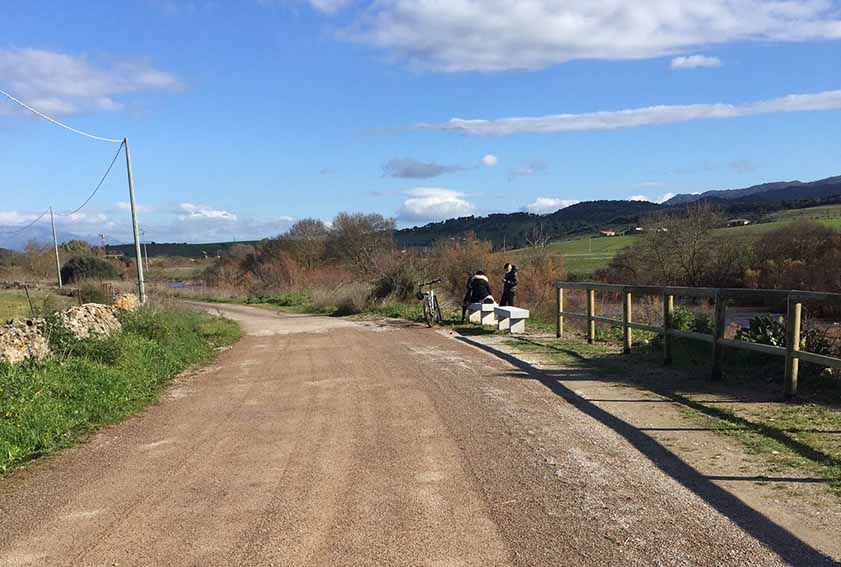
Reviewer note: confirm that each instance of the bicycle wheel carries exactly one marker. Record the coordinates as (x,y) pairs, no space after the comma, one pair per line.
(438,317)
(428,316)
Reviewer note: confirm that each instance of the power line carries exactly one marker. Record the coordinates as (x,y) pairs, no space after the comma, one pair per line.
(101,181)
(56,122)
(19,230)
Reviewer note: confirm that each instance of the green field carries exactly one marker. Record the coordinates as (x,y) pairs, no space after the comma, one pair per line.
(583,256)
(14,305)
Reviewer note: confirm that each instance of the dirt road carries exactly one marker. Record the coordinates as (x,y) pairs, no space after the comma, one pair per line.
(317,441)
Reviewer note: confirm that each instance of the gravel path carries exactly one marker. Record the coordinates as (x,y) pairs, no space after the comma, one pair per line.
(369,444)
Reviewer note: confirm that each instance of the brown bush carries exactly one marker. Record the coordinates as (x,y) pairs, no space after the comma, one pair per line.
(803,255)
(536,289)
(456,260)
(681,248)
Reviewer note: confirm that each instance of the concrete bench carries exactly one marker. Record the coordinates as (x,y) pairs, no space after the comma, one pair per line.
(482,313)
(512,319)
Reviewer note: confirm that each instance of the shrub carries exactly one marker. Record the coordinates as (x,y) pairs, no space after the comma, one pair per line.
(289,299)
(802,255)
(80,268)
(456,261)
(764,329)
(680,247)
(771,330)
(401,273)
(347,299)
(684,319)
(92,293)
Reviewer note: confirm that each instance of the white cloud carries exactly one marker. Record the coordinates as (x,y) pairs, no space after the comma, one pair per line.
(533,168)
(490,160)
(61,84)
(126,206)
(632,118)
(14,218)
(329,6)
(497,35)
(191,212)
(432,204)
(695,62)
(193,224)
(546,205)
(661,199)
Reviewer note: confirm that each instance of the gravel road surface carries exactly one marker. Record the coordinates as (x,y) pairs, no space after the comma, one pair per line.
(317,441)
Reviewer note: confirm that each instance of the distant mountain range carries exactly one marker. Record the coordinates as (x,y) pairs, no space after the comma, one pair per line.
(41,234)
(767,192)
(585,218)
(512,229)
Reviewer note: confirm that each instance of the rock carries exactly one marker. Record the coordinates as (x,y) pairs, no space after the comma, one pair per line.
(90,320)
(127,302)
(20,340)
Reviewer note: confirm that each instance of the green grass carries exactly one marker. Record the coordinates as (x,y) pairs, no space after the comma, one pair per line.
(48,405)
(606,245)
(176,272)
(14,305)
(827,213)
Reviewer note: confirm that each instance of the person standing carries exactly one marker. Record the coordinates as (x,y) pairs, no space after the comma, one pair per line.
(467,299)
(509,286)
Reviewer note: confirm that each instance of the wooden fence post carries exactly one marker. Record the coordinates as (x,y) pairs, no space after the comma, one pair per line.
(794,311)
(627,333)
(591,310)
(668,316)
(559,323)
(718,333)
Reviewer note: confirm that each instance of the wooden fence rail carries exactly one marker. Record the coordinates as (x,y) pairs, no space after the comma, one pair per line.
(794,306)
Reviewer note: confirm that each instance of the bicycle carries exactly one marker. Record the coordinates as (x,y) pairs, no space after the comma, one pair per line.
(431,308)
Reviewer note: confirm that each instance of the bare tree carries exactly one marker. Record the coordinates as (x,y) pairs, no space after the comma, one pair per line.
(682,248)
(306,242)
(362,241)
(537,237)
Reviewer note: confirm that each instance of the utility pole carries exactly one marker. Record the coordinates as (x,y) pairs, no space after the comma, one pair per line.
(141,286)
(55,245)
(145,249)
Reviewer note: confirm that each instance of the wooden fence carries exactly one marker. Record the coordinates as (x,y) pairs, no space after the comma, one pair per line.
(794,305)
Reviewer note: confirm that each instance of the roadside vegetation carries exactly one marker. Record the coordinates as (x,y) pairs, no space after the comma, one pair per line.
(88,383)
(354,266)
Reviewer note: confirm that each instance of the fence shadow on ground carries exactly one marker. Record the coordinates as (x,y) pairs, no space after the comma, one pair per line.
(787,545)
(603,369)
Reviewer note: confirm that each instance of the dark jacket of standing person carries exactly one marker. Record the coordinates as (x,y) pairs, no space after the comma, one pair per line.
(480,289)
(509,285)
(467,297)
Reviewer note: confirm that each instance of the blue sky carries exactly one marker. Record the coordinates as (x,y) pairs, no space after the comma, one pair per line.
(244,116)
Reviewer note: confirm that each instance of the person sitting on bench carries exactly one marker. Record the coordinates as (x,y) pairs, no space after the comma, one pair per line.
(480,289)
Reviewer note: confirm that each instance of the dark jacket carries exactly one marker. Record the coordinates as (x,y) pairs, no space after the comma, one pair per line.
(468,290)
(480,289)
(510,281)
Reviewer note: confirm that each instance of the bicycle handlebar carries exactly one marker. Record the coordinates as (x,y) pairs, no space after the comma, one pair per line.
(429,283)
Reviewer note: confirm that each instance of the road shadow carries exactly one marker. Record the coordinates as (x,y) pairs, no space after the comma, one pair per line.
(787,545)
